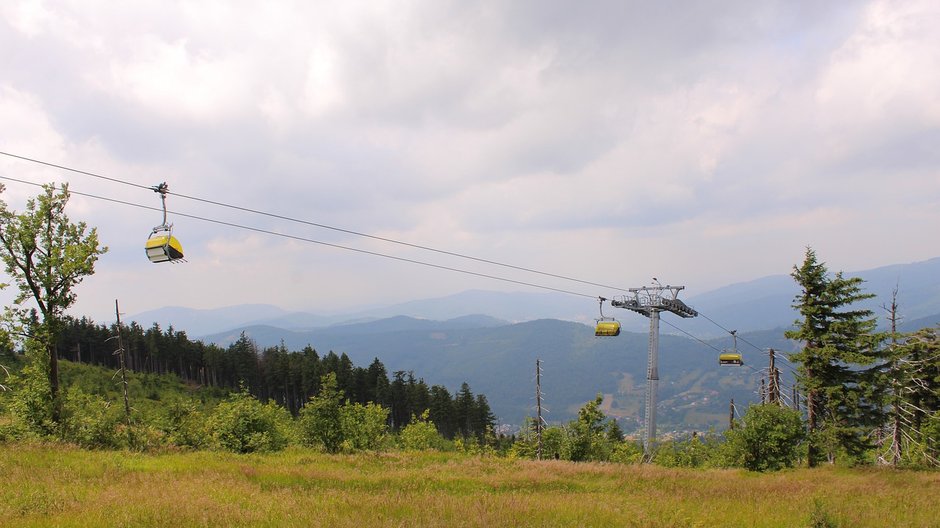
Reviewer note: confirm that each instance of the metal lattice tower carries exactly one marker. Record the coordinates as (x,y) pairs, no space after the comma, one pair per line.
(650,301)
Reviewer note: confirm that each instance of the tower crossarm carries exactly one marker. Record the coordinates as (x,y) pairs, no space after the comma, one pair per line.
(647,299)
(632,304)
(679,308)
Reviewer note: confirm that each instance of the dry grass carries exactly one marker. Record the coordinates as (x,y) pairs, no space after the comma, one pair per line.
(60,486)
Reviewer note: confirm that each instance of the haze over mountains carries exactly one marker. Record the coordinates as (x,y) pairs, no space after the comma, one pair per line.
(760,304)
(492,339)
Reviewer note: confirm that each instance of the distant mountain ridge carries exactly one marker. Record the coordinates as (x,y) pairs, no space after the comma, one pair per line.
(267,335)
(492,339)
(499,361)
(759,304)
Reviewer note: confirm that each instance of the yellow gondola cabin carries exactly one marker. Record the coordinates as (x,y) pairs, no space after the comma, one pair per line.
(607,328)
(730,358)
(162,246)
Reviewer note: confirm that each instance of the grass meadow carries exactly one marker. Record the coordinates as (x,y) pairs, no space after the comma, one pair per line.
(54,485)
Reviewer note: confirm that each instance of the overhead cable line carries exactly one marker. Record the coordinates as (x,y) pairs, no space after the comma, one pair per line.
(729,331)
(323,226)
(70,169)
(706,343)
(320,242)
(713,347)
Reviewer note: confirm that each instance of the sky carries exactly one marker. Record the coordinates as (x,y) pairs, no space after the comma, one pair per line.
(702,143)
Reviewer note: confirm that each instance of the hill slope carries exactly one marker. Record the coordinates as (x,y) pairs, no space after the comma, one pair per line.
(499,361)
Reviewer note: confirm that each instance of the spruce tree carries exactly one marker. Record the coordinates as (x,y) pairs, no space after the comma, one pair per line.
(839,342)
(464,406)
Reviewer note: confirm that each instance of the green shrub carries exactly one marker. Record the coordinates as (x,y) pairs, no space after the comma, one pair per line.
(244,425)
(697,451)
(526,444)
(820,517)
(771,438)
(363,426)
(420,434)
(89,420)
(554,443)
(185,426)
(587,438)
(320,422)
(29,404)
(143,437)
(627,452)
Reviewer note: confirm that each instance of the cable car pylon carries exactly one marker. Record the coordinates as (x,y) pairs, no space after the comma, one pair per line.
(650,301)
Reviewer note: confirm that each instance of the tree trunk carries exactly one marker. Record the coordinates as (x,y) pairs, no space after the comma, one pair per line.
(54,382)
(812,452)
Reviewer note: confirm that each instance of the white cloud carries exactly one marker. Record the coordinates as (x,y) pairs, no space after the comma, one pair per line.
(27,17)
(322,89)
(553,136)
(172,79)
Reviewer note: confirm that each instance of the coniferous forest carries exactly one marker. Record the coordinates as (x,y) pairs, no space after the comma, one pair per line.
(275,374)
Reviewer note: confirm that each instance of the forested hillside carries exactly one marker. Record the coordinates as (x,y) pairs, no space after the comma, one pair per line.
(288,378)
(500,361)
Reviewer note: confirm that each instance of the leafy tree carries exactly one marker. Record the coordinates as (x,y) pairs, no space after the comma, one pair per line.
(838,342)
(587,439)
(769,439)
(47,255)
(321,418)
(554,443)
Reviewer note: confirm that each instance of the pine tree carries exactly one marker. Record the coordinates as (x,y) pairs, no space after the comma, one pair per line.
(441,411)
(398,399)
(377,383)
(484,421)
(464,405)
(838,343)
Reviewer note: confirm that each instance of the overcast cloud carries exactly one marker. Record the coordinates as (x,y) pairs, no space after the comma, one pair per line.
(615,141)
